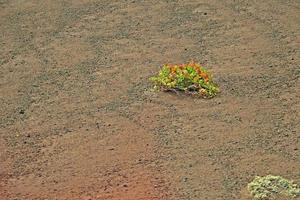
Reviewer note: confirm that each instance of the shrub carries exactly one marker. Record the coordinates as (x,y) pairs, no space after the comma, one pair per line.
(263,188)
(190,78)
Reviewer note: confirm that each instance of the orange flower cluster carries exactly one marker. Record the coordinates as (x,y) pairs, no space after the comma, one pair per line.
(197,67)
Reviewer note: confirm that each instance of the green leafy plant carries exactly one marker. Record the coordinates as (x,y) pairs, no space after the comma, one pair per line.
(190,78)
(265,188)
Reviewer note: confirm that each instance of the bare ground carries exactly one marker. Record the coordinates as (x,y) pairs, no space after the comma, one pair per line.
(78,121)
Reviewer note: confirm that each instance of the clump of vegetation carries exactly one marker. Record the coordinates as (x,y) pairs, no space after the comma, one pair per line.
(265,188)
(190,78)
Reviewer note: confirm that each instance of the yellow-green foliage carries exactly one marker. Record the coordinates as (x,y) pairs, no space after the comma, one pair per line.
(265,188)
(191,78)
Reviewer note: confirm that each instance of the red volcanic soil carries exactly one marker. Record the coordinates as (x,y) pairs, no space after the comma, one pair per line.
(78,119)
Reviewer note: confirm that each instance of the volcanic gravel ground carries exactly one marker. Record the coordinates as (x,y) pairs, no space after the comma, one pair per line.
(78,118)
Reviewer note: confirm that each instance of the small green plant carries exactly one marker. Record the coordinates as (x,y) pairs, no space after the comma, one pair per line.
(190,78)
(265,188)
